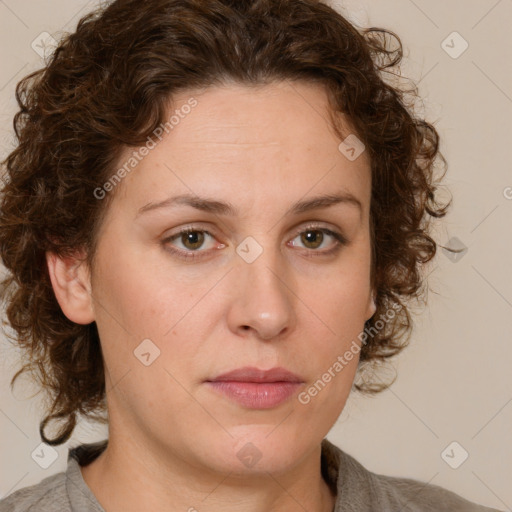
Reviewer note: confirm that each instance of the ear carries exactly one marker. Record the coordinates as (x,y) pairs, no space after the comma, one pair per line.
(71,284)
(372,307)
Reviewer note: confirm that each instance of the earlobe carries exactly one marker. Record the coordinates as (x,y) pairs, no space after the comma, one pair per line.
(372,306)
(71,284)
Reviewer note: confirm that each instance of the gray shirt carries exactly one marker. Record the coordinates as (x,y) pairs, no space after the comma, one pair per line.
(356,488)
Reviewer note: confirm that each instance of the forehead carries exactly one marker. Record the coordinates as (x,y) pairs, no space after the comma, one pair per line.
(274,140)
(275,113)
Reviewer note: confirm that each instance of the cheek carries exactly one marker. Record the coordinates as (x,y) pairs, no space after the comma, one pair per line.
(340,297)
(137,296)
(139,301)
(139,304)
(333,320)
(342,322)
(332,352)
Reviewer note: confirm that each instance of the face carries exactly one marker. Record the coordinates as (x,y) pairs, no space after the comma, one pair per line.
(256,282)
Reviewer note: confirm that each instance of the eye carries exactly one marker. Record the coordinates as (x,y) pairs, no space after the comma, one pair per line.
(313,237)
(191,240)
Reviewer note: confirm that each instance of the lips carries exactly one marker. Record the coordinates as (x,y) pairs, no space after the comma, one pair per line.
(253,388)
(251,374)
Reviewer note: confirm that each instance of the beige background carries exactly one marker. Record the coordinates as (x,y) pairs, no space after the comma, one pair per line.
(454,380)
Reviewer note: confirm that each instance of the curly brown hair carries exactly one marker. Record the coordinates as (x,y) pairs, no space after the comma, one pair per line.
(107,87)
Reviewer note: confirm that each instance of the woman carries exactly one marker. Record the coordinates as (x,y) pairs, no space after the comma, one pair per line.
(214,217)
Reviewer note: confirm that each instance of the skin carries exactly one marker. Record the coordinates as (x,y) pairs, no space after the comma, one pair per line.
(261,149)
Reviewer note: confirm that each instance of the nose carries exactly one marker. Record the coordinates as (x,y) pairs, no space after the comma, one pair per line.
(263,301)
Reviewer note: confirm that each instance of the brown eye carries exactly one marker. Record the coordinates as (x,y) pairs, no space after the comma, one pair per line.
(192,244)
(312,239)
(315,240)
(192,239)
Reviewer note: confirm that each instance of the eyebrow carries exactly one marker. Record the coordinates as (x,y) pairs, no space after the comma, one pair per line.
(223,208)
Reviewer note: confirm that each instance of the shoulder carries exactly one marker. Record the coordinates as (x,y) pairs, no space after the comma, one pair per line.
(361,490)
(49,495)
(416,496)
(63,492)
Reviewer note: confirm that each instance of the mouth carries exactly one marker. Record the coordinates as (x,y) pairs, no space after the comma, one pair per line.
(257,389)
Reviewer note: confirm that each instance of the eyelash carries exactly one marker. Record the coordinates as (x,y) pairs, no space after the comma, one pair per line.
(198,254)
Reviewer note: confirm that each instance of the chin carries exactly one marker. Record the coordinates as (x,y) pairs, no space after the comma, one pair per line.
(260,449)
